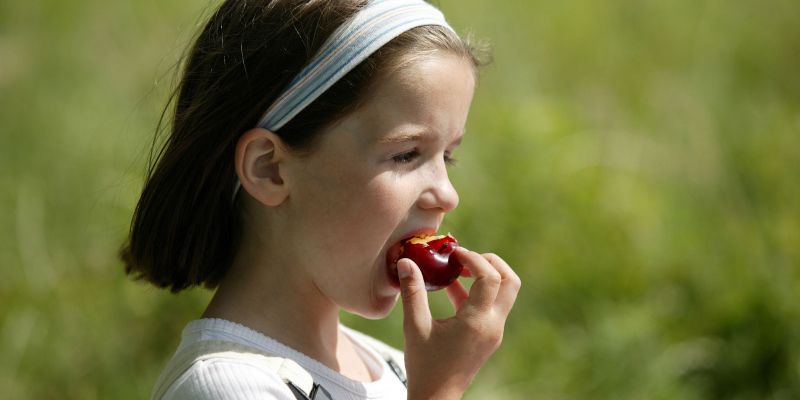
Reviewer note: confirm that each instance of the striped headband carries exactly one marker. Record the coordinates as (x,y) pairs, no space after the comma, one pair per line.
(376,24)
(369,29)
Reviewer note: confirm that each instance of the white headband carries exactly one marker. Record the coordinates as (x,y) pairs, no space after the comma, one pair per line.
(373,26)
(376,24)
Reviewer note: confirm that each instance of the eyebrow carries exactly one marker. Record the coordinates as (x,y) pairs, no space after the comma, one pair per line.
(423,136)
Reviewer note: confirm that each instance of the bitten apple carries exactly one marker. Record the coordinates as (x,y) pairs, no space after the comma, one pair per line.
(432,255)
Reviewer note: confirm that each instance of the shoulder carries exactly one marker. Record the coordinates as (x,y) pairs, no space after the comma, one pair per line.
(227,376)
(214,369)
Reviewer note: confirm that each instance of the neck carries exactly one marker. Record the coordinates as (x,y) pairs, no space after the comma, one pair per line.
(289,309)
(269,289)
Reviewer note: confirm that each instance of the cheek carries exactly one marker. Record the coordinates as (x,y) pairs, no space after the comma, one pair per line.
(357,194)
(371,212)
(348,207)
(367,221)
(389,197)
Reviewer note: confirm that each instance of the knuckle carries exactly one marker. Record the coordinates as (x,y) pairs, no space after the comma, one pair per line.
(514,282)
(491,256)
(493,278)
(483,333)
(496,342)
(475,327)
(495,337)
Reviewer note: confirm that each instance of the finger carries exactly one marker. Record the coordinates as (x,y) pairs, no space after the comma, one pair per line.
(465,273)
(457,294)
(416,312)
(509,283)
(484,290)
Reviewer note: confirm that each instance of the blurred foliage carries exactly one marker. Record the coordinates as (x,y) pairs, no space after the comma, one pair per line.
(637,162)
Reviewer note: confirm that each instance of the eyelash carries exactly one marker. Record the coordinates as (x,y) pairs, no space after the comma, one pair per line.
(409,156)
(450,160)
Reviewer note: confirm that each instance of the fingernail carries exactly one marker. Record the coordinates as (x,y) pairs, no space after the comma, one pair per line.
(403,270)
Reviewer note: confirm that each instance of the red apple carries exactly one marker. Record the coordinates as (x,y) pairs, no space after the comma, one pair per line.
(432,255)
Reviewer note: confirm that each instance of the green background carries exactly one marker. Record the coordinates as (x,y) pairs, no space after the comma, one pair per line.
(636,162)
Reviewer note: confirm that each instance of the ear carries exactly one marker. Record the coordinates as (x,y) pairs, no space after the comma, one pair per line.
(259,157)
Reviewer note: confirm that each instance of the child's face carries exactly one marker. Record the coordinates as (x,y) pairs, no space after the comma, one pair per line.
(377,177)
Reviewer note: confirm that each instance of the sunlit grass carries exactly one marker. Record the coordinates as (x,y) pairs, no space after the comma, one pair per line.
(635,162)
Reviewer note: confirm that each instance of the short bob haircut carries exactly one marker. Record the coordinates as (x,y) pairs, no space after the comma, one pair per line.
(185,229)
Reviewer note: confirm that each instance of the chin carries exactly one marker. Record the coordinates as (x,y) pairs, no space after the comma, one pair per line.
(378,309)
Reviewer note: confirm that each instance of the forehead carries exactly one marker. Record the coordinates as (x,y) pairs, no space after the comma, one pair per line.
(430,94)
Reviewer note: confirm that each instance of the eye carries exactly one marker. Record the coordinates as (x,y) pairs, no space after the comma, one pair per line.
(449,160)
(407,157)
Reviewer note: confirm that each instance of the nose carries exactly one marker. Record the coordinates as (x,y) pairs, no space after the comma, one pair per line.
(439,192)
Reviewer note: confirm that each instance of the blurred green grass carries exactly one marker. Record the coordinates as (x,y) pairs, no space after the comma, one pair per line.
(637,162)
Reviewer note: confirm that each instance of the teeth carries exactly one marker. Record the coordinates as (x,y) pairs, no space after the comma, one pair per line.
(422,239)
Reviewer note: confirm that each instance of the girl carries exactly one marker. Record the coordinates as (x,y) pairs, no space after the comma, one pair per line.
(310,138)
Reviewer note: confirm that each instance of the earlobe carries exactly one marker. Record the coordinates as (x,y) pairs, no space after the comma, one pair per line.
(259,157)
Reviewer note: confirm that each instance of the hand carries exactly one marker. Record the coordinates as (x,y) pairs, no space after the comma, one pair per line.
(443,356)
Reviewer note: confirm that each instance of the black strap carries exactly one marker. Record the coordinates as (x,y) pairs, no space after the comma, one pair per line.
(396,369)
(320,393)
(317,392)
(298,393)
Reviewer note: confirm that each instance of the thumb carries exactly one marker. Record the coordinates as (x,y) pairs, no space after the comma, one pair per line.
(416,312)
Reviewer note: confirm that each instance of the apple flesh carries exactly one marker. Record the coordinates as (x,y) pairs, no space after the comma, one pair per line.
(432,255)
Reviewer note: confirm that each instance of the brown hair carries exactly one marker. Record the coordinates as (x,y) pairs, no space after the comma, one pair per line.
(185,229)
